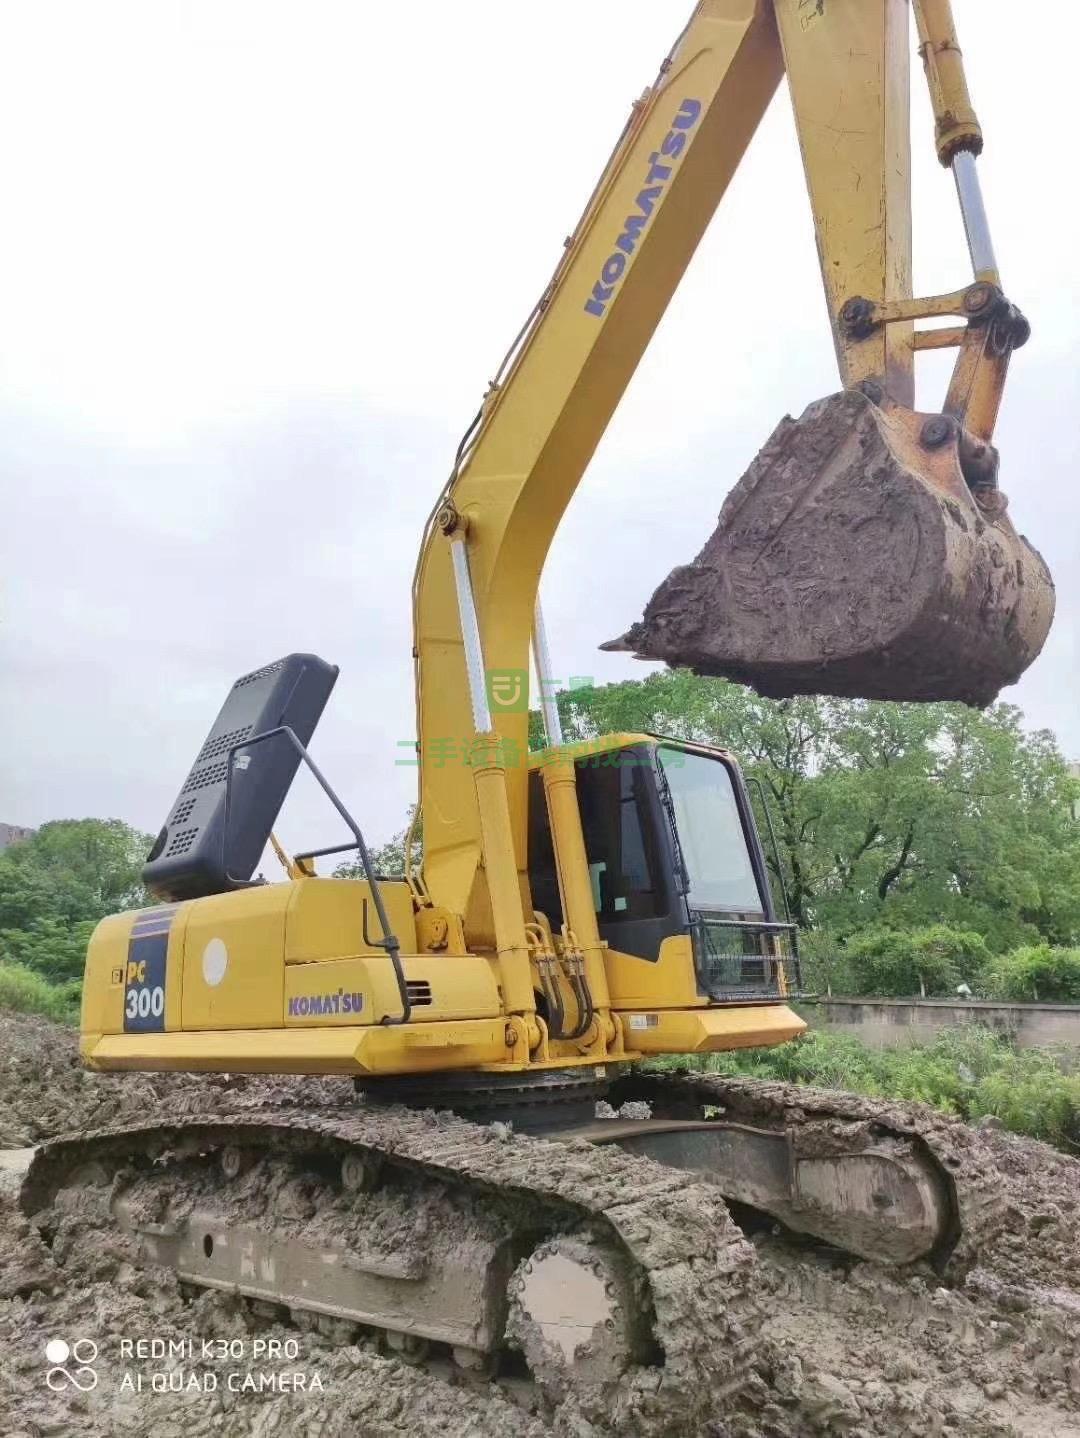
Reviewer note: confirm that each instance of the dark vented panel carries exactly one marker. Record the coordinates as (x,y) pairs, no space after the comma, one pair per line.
(419,993)
(202,778)
(180,841)
(193,855)
(221,743)
(183,811)
(259,674)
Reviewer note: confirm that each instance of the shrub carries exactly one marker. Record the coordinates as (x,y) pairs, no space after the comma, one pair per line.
(966,1071)
(930,960)
(820,962)
(1033,1097)
(26,992)
(1037,973)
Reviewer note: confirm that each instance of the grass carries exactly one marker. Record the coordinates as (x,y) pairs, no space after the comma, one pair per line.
(968,1071)
(26,992)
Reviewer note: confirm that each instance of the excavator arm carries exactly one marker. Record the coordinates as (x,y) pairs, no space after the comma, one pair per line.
(947,601)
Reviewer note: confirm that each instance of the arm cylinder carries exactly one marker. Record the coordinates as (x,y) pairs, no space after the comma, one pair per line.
(956,123)
(976,225)
(959,135)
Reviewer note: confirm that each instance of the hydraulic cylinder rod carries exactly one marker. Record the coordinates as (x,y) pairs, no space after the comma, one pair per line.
(958,133)
(489,776)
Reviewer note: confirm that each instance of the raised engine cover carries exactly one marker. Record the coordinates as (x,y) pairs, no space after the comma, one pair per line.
(193,855)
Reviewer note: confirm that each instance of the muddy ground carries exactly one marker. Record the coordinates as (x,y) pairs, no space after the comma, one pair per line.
(848,1348)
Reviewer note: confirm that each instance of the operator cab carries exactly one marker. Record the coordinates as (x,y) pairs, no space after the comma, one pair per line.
(673,849)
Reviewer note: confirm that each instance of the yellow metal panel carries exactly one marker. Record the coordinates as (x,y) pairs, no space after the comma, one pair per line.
(174,968)
(461,987)
(660,1031)
(103,978)
(848,68)
(325,919)
(234,959)
(363,990)
(669,983)
(375,1050)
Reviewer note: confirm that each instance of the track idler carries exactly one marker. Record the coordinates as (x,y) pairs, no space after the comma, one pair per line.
(865,553)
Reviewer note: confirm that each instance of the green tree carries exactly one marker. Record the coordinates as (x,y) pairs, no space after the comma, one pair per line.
(56,885)
(389,858)
(50,946)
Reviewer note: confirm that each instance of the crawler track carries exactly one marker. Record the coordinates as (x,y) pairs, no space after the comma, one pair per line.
(838,1119)
(687,1265)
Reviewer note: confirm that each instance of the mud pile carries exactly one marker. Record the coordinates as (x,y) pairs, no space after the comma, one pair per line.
(853,558)
(45,1090)
(846,1347)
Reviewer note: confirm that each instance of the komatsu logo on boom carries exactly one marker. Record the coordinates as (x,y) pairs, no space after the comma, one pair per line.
(656,180)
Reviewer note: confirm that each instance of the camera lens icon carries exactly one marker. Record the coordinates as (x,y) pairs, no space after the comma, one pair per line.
(83,1352)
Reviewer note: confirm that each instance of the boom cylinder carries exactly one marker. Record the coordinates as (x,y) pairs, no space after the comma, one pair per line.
(496,834)
(572,864)
(542,657)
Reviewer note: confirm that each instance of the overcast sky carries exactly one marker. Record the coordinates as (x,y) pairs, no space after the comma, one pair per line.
(259,261)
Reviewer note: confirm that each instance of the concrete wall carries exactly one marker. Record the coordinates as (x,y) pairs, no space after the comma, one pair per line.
(887,1023)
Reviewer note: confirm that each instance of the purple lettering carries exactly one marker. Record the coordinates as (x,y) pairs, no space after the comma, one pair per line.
(659,173)
(631,233)
(648,198)
(688,114)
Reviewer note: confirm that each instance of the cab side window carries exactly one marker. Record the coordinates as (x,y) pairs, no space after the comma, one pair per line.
(619,840)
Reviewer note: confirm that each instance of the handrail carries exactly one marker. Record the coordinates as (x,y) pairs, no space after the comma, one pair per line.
(389,941)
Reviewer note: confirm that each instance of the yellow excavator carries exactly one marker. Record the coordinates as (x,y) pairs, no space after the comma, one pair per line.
(506,1184)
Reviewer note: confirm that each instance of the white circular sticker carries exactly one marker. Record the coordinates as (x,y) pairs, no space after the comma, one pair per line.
(215,960)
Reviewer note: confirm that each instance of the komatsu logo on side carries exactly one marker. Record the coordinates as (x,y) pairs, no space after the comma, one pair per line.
(633,226)
(340,1003)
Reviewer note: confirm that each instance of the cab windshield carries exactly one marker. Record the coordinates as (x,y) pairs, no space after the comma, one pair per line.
(710,831)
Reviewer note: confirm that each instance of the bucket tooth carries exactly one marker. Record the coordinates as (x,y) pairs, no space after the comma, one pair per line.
(854,559)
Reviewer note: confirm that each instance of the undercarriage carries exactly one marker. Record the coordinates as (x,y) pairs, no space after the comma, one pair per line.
(596,1261)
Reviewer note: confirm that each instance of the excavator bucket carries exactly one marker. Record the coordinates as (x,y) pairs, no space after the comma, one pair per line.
(855,558)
